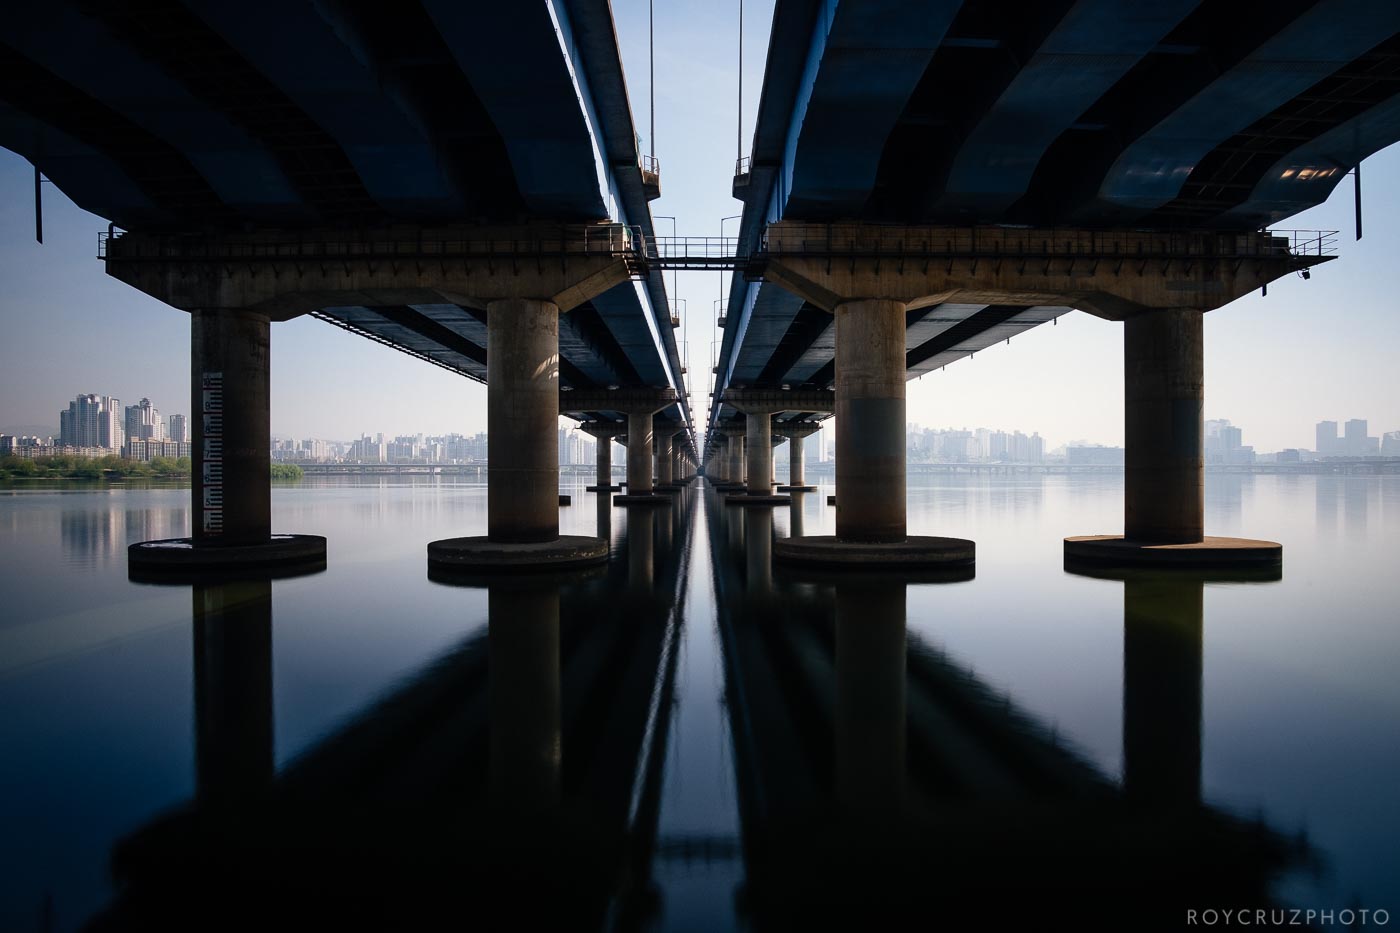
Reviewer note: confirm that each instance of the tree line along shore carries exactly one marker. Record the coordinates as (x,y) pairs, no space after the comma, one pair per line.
(112,468)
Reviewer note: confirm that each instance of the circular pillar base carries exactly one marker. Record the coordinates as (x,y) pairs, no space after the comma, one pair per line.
(1115,550)
(914,552)
(482,553)
(731,487)
(651,499)
(181,556)
(756,499)
(602,489)
(796,488)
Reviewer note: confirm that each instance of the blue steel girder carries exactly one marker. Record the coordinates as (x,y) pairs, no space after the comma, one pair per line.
(1183,113)
(201,116)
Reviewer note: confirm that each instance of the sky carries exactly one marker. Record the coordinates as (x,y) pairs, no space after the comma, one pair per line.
(1323,349)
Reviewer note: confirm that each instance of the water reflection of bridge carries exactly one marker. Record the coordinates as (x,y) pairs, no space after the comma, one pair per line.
(519,778)
(883,785)
(516,777)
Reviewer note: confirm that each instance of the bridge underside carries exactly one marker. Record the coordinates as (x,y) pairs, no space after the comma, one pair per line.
(601,343)
(789,342)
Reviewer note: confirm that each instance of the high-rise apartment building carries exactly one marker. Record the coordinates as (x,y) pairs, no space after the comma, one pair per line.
(143,422)
(1327,443)
(1354,442)
(91,421)
(177,429)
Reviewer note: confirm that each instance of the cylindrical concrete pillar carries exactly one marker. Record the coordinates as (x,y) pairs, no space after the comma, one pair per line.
(639,436)
(797,461)
(736,459)
(526,727)
(758,428)
(604,462)
(678,470)
(229,398)
(664,460)
(233,689)
(870,468)
(522,420)
(1164,457)
(870,703)
(1163,632)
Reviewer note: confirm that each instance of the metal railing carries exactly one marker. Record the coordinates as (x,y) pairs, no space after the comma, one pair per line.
(743,166)
(616,240)
(865,240)
(651,165)
(710,252)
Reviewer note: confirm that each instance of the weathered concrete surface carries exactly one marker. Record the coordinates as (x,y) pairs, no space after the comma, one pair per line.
(1163,405)
(522,419)
(757,431)
(487,554)
(913,552)
(750,500)
(639,446)
(870,443)
(656,499)
(184,554)
(231,422)
(1110,273)
(284,275)
(664,457)
(797,450)
(1115,550)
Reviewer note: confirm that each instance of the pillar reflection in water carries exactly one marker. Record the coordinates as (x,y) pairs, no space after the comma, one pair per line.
(525,751)
(233,688)
(641,548)
(758,548)
(795,523)
(870,694)
(605,507)
(1163,630)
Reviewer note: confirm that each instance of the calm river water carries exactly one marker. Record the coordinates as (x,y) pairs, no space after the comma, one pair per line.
(690,738)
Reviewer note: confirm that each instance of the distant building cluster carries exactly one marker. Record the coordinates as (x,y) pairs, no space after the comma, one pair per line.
(1225,444)
(1353,441)
(100,426)
(378,448)
(983,445)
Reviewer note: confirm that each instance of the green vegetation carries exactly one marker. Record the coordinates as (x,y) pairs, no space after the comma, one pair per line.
(110,468)
(113,467)
(286,471)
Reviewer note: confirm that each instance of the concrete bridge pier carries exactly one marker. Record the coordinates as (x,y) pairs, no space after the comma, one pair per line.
(797,434)
(870,452)
(734,459)
(522,418)
(604,434)
(1164,453)
(668,477)
(758,458)
(680,473)
(231,475)
(642,435)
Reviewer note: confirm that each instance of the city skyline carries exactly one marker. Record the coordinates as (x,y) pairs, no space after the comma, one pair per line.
(1269,361)
(82,425)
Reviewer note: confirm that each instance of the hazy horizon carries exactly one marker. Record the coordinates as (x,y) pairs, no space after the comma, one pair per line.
(1310,351)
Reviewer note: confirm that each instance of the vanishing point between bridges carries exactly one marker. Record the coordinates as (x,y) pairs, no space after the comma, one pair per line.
(471,185)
